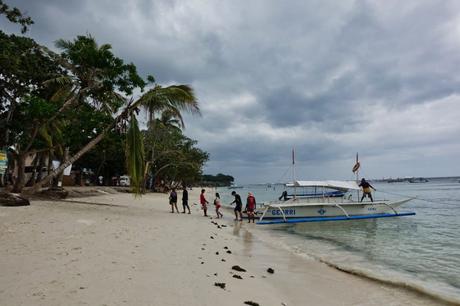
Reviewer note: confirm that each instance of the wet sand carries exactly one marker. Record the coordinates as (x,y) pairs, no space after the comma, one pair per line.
(135,252)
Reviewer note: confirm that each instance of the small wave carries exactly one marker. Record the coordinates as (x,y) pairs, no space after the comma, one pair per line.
(391,279)
(400,283)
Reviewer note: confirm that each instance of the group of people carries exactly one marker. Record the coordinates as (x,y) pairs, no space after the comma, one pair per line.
(173,200)
(250,204)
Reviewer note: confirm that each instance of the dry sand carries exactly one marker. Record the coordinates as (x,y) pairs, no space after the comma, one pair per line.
(128,251)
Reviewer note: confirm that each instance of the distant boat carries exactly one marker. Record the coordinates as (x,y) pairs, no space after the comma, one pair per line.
(234,187)
(418,180)
(396,180)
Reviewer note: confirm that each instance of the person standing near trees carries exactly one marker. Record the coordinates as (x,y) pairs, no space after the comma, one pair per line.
(185,199)
(173,200)
(203,203)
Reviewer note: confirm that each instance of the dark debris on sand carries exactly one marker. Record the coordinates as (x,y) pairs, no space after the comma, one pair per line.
(229,252)
(221,285)
(237,276)
(238,268)
(270,270)
(252,303)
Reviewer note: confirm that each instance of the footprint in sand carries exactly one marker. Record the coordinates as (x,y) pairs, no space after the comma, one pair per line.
(85,221)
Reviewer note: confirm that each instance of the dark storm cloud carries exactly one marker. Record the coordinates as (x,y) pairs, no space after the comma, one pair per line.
(328,77)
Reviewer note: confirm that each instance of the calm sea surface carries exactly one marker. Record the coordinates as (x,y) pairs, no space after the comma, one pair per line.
(421,251)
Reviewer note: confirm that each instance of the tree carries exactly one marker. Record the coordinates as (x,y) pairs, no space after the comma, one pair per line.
(16,16)
(177,158)
(95,76)
(25,104)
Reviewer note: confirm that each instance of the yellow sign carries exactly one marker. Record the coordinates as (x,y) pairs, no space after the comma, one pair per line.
(3,160)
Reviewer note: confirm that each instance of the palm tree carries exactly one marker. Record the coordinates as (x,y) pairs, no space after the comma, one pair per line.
(94,75)
(169,103)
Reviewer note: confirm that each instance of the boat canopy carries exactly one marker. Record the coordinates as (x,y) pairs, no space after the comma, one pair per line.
(338,185)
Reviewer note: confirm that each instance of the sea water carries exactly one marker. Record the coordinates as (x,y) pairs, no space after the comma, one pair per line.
(421,252)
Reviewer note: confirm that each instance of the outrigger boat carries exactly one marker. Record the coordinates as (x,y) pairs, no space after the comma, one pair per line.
(326,201)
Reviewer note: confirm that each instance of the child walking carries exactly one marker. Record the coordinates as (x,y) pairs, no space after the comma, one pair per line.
(218,205)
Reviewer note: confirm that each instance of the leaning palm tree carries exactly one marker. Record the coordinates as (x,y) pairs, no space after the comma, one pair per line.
(96,75)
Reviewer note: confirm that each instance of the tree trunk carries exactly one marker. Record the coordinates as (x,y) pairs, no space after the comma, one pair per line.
(123,115)
(21,178)
(73,159)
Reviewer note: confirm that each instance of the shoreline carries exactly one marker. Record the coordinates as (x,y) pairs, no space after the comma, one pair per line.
(126,251)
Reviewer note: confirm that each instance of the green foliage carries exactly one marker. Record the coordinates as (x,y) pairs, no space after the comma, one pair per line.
(173,99)
(77,100)
(25,66)
(30,115)
(83,124)
(135,155)
(96,67)
(176,159)
(219,180)
(16,16)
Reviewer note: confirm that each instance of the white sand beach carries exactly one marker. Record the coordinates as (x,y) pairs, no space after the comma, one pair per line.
(125,251)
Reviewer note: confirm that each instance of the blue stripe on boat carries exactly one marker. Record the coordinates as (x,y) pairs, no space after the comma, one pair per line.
(337,218)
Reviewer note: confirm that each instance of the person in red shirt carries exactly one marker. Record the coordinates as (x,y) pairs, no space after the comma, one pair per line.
(203,202)
(251,207)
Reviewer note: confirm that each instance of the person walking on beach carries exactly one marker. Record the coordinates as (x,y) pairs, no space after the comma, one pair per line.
(251,207)
(203,202)
(185,199)
(218,205)
(173,200)
(238,206)
(366,189)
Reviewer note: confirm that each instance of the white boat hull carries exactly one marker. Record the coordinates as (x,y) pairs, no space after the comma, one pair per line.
(282,210)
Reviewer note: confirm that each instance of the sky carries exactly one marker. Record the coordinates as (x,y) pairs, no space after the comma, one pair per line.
(328,78)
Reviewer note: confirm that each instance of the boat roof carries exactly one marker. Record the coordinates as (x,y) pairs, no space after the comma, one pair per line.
(339,185)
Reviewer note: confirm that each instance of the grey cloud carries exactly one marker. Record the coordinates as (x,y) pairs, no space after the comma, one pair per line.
(328,70)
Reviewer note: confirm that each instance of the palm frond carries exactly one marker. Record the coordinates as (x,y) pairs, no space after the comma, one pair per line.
(43,132)
(135,155)
(62,80)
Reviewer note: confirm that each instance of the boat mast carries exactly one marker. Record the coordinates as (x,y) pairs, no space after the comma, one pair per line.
(293,171)
(357,166)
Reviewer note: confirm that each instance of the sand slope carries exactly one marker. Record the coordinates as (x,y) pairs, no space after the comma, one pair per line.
(135,252)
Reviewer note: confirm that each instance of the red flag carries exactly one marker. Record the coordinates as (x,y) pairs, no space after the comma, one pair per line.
(357,164)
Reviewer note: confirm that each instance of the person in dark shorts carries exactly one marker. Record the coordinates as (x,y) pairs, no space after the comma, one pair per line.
(173,200)
(185,199)
(251,207)
(238,206)
(366,189)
